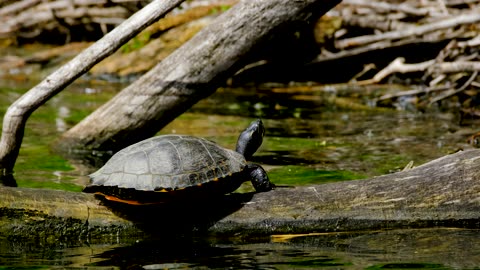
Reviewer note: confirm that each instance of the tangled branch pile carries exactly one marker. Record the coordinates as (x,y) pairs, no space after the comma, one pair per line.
(436,41)
(440,39)
(63,20)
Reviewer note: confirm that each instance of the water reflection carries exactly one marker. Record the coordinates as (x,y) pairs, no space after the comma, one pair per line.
(398,249)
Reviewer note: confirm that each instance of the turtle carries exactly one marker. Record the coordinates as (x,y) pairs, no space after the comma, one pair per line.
(173,167)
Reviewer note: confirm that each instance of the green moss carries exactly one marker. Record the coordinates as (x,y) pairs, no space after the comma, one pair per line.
(41,158)
(384,163)
(316,263)
(37,167)
(220,9)
(291,144)
(300,175)
(49,185)
(136,43)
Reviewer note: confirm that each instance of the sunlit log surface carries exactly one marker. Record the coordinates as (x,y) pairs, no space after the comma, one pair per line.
(444,192)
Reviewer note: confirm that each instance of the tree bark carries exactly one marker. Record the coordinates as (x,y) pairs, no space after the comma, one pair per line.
(17,114)
(444,192)
(191,73)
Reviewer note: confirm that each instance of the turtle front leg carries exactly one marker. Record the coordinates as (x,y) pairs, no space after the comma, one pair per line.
(259,178)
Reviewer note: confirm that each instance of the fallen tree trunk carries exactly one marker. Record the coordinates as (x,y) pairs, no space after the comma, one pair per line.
(444,192)
(192,72)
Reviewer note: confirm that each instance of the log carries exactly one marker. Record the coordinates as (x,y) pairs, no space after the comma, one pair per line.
(192,72)
(443,192)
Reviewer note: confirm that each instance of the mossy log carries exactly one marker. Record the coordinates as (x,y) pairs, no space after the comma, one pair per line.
(444,192)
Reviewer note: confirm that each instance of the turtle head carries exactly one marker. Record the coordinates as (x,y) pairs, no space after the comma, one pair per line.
(250,139)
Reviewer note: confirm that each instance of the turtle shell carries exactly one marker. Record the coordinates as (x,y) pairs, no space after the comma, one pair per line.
(164,164)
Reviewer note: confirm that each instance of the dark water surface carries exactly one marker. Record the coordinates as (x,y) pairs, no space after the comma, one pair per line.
(397,249)
(314,135)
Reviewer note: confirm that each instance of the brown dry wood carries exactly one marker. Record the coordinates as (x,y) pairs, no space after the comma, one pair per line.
(377,22)
(433,25)
(189,74)
(378,46)
(443,192)
(41,17)
(384,7)
(455,91)
(398,25)
(458,66)
(413,92)
(17,7)
(29,17)
(397,65)
(448,23)
(17,114)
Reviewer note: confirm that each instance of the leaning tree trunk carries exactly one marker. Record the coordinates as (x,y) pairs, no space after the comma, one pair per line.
(17,114)
(189,74)
(444,192)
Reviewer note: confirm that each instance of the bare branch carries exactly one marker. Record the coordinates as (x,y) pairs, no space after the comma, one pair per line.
(452,67)
(388,7)
(18,6)
(410,32)
(17,114)
(398,65)
(454,92)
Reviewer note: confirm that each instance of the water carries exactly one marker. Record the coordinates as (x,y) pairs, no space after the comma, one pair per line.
(397,249)
(314,135)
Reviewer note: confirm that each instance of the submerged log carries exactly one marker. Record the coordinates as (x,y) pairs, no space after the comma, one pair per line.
(444,192)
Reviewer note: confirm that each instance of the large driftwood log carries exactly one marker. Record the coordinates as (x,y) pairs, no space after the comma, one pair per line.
(191,73)
(444,192)
(17,114)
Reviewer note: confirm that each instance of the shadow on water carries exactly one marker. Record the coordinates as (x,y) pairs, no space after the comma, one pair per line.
(207,254)
(178,253)
(398,249)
